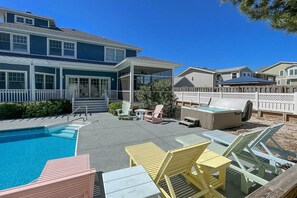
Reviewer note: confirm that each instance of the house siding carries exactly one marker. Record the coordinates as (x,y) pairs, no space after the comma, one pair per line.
(131,53)
(91,73)
(10,17)
(90,52)
(38,45)
(40,23)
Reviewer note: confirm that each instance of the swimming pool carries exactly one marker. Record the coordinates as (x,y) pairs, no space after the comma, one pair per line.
(23,153)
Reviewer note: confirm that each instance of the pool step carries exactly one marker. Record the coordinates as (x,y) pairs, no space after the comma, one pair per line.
(65,135)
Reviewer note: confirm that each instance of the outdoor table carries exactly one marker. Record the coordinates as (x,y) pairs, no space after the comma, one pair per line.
(133,182)
(140,113)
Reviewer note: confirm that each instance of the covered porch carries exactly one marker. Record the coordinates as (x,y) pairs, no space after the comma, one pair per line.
(134,72)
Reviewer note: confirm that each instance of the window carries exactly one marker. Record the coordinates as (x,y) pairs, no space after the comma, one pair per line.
(114,55)
(233,75)
(291,72)
(278,82)
(20,43)
(68,49)
(16,80)
(246,74)
(44,81)
(281,73)
(24,20)
(61,48)
(4,41)
(288,82)
(2,80)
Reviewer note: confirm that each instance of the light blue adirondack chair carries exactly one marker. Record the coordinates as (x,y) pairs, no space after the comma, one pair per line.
(125,111)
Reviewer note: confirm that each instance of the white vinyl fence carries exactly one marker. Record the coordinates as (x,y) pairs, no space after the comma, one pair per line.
(275,102)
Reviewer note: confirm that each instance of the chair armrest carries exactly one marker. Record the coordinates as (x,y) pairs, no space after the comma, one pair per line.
(119,111)
(148,112)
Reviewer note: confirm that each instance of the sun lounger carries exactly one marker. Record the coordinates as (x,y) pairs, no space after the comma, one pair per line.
(155,116)
(163,166)
(259,143)
(65,177)
(235,151)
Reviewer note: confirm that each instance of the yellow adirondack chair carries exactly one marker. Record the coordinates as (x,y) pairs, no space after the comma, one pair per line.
(162,166)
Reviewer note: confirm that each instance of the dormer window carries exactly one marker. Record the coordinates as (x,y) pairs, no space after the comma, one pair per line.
(114,55)
(24,20)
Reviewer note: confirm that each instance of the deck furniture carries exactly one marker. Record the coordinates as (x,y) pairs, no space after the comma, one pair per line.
(140,113)
(162,166)
(125,111)
(261,142)
(213,118)
(65,177)
(133,182)
(155,116)
(235,151)
(190,122)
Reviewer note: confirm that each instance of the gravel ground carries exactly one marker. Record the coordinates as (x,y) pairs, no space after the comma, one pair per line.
(286,136)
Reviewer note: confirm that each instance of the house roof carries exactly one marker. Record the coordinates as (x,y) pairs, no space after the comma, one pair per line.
(66,33)
(263,69)
(231,69)
(197,69)
(145,58)
(246,80)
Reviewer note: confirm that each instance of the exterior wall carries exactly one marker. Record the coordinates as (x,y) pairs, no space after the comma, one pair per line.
(41,23)
(246,70)
(228,76)
(90,51)
(37,22)
(281,80)
(38,45)
(201,79)
(91,73)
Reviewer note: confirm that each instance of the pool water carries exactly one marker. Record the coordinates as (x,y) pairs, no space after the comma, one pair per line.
(213,109)
(24,153)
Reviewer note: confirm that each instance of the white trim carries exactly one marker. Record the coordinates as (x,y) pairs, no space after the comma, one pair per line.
(196,68)
(288,81)
(115,54)
(292,69)
(44,78)
(244,74)
(62,48)
(280,72)
(14,71)
(72,38)
(232,75)
(15,20)
(11,43)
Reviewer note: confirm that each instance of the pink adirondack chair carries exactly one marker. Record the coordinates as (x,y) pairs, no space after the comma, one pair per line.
(60,178)
(155,116)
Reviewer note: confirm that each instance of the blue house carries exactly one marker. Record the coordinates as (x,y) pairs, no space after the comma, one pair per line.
(40,61)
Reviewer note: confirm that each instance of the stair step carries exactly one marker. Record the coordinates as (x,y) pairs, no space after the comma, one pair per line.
(68,131)
(64,135)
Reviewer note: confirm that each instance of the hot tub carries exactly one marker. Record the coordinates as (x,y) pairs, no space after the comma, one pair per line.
(212,117)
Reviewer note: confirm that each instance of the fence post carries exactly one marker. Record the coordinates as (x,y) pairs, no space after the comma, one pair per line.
(73,103)
(257,100)
(221,94)
(198,94)
(182,97)
(295,102)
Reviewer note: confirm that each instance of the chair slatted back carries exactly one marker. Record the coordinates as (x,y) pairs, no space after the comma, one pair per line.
(266,134)
(240,143)
(158,110)
(180,160)
(126,107)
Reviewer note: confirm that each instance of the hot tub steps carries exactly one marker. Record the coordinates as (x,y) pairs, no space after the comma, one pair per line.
(190,122)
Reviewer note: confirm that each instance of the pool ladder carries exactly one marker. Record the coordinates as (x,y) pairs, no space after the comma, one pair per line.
(78,108)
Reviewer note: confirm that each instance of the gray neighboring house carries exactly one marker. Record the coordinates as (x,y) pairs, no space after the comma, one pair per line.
(196,77)
(204,77)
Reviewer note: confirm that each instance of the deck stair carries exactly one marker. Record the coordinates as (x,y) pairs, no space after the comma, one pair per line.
(94,105)
(190,122)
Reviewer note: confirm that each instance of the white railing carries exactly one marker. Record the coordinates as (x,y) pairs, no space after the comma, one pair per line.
(46,94)
(275,102)
(15,95)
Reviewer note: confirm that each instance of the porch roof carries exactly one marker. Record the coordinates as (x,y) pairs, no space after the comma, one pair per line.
(146,62)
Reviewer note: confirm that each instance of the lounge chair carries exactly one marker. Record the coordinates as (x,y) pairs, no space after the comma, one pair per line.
(66,177)
(235,151)
(125,111)
(155,116)
(259,143)
(163,166)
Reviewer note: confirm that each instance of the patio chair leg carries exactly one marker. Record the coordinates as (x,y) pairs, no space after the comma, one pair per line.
(245,184)
(170,187)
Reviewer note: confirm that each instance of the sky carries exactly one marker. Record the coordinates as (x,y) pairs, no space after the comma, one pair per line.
(190,32)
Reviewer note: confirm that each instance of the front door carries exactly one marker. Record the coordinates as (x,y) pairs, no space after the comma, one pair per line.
(95,88)
(84,87)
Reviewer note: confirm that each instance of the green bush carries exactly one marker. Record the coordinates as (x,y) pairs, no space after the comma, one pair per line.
(112,107)
(34,109)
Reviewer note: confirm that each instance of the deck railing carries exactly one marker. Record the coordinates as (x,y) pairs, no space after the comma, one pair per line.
(274,102)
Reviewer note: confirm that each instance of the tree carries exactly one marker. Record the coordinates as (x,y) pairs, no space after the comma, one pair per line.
(158,92)
(281,14)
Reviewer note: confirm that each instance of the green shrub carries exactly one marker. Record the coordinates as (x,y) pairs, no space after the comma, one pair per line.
(34,109)
(112,107)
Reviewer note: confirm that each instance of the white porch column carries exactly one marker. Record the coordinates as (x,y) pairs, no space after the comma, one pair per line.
(131,98)
(61,83)
(172,79)
(32,81)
